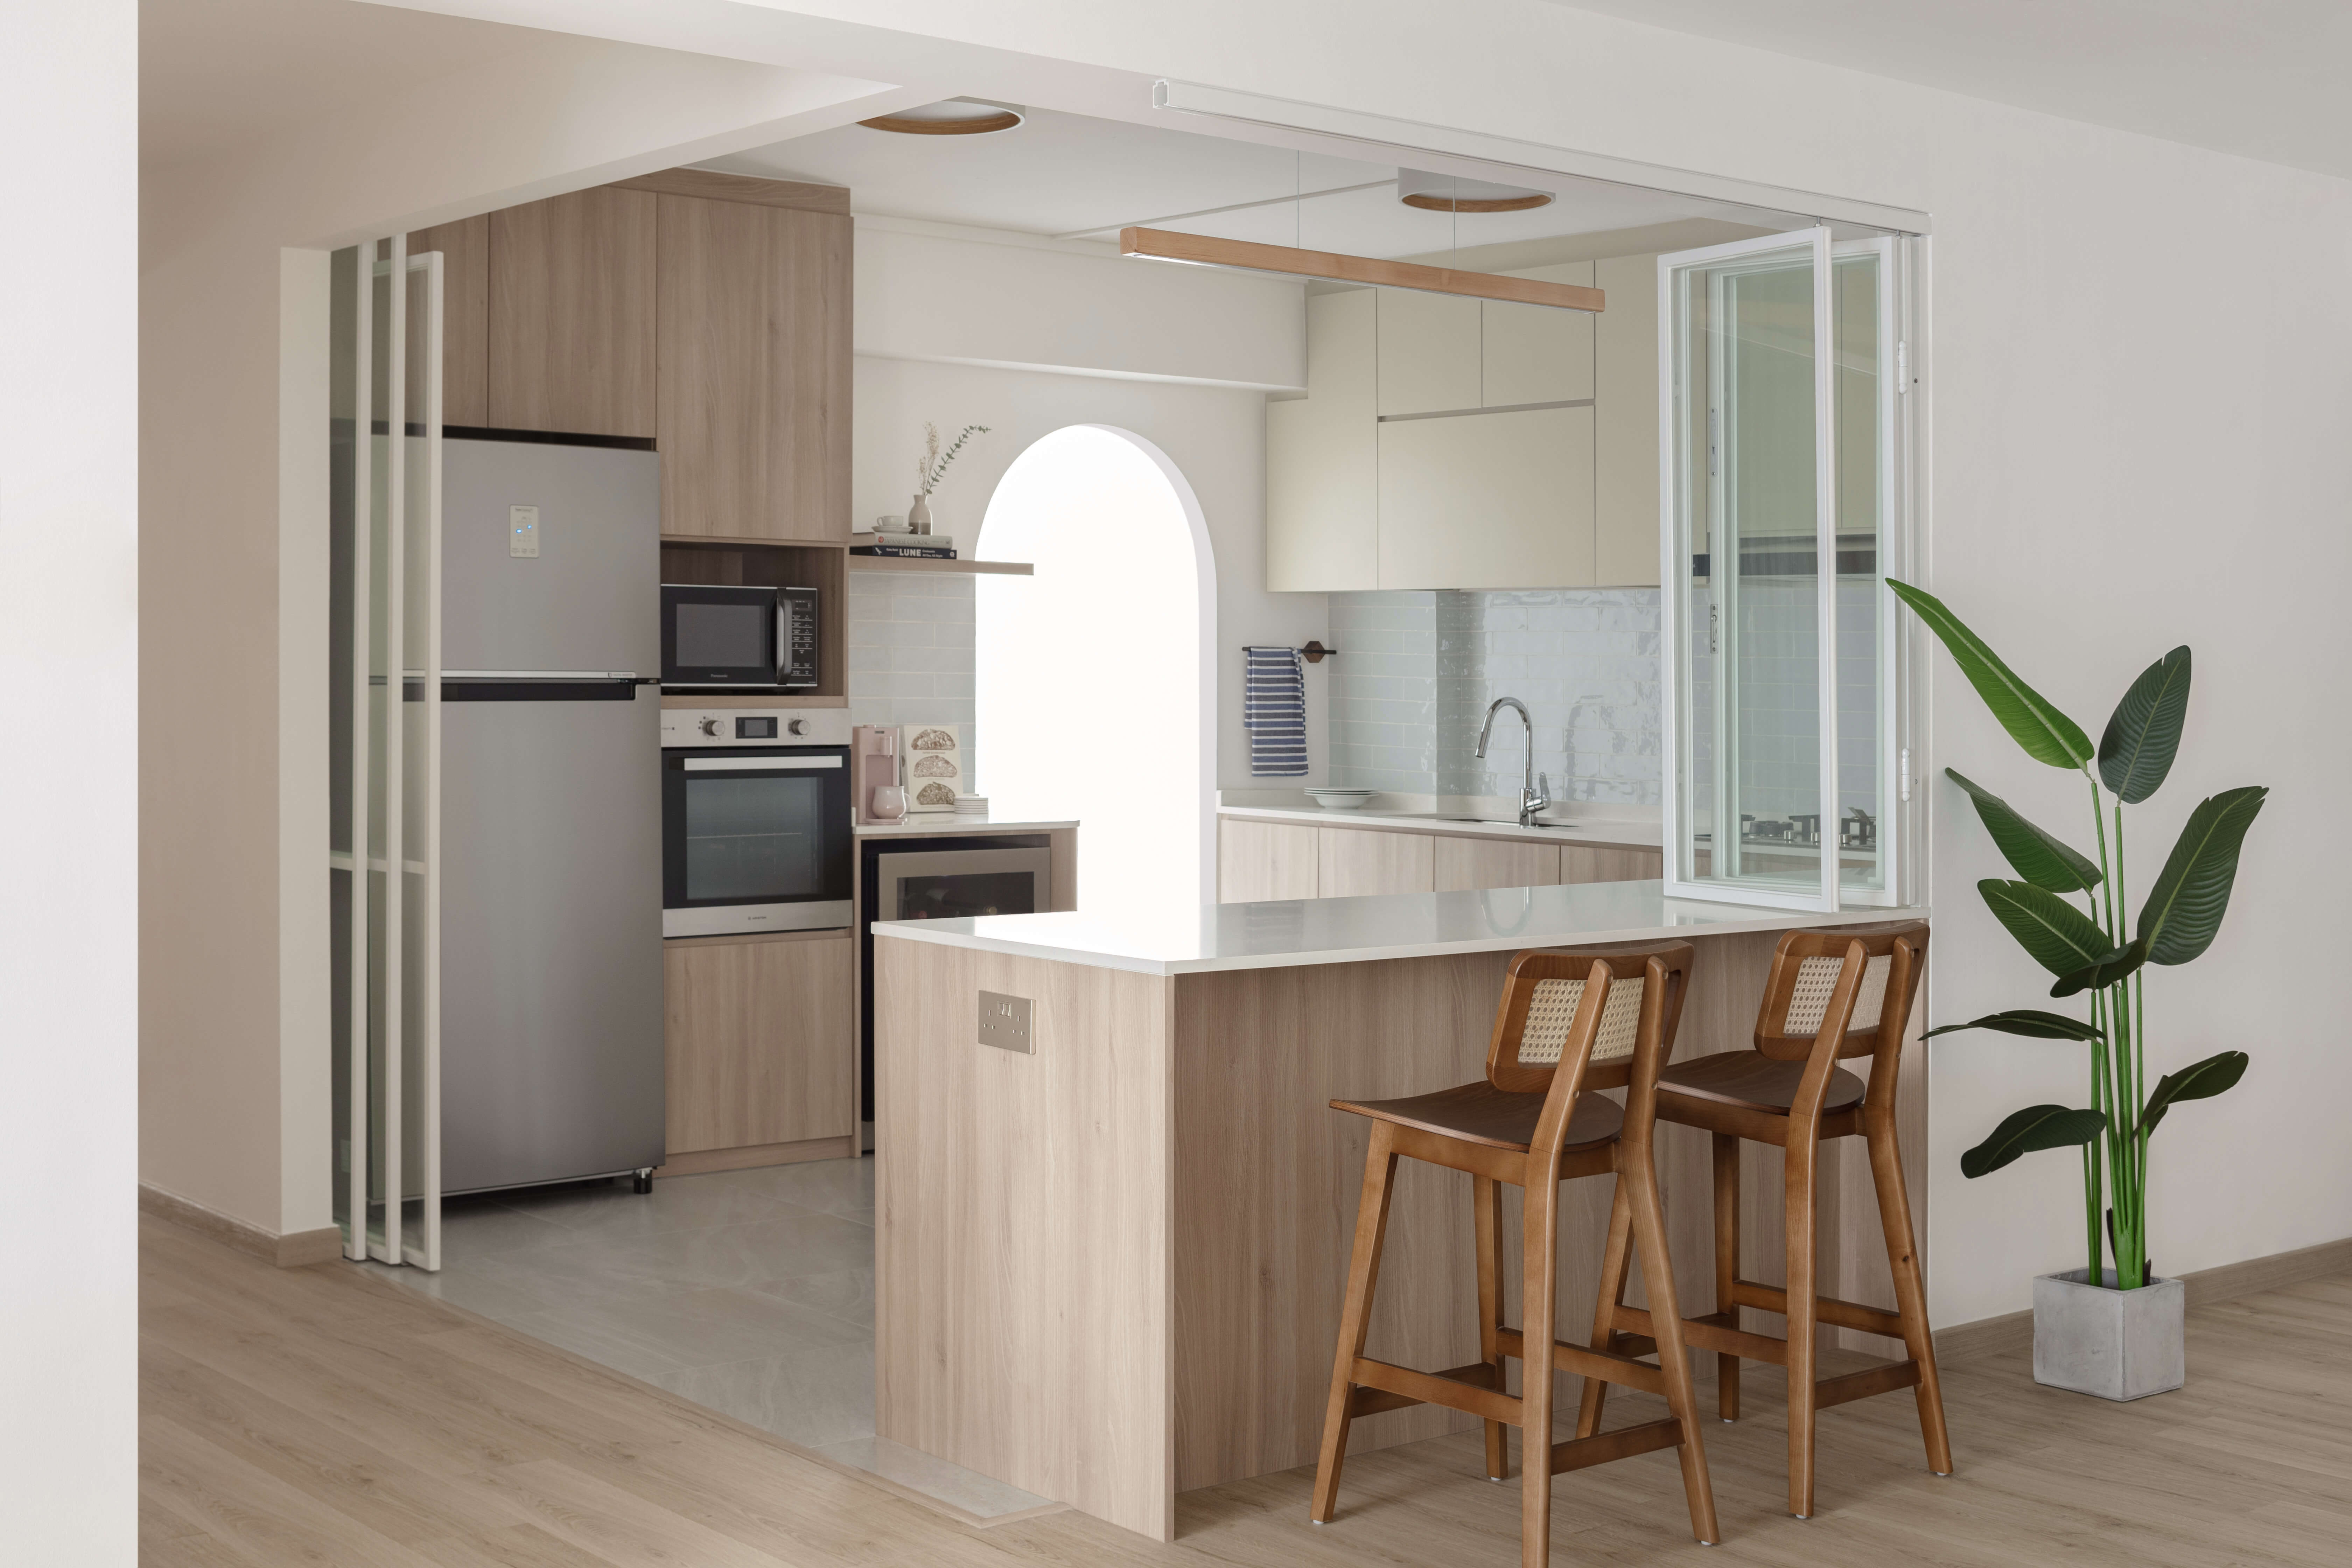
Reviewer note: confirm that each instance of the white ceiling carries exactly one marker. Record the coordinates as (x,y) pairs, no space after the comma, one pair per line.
(218,74)
(2265,78)
(1076,176)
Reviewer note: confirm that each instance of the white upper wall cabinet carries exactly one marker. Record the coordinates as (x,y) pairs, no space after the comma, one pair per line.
(1455,442)
(1535,353)
(1487,500)
(1322,459)
(1625,517)
(1429,352)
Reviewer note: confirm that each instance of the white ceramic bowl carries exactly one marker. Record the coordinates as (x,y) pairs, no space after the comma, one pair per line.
(1341,799)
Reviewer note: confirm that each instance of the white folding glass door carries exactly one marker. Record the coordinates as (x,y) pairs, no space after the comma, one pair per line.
(384,632)
(1780,488)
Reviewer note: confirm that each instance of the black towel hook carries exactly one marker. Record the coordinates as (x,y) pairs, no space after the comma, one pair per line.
(1314,652)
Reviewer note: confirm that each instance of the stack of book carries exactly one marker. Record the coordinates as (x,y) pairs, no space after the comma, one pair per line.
(920,546)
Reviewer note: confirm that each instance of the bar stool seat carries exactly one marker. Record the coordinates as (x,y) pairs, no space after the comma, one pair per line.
(1568,1025)
(1755,1081)
(1481,1113)
(1832,994)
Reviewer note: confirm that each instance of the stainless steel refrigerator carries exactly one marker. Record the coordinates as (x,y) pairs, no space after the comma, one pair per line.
(550,789)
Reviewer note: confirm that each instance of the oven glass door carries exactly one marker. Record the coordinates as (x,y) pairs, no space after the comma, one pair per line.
(755,838)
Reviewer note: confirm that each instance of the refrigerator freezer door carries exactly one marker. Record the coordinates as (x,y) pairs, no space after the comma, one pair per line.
(550,940)
(583,591)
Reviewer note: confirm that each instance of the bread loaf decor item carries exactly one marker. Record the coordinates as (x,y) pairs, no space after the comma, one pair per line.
(935,765)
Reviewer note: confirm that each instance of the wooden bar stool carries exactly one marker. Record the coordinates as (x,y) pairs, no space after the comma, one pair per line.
(1569,1022)
(1831,994)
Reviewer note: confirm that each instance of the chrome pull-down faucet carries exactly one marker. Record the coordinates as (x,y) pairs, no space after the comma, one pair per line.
(1531,799)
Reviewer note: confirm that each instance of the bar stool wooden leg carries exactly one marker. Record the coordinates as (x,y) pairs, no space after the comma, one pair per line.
(1804,1162)
(1538,1253)
(1487,1200)
(1355,1315)
(1727,1267)
(1666,1318)
(1910,1291)
(1613,1262)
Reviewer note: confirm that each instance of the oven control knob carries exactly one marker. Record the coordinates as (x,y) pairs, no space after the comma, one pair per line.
(708,726)
(796,726)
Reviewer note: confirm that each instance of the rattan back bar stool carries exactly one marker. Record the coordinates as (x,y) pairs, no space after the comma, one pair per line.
(1831,995)
(1569,1022)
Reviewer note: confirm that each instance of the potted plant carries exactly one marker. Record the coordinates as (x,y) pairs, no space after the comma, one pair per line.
(2114,1330)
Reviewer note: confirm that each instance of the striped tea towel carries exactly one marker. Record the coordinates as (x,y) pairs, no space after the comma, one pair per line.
(1273,712)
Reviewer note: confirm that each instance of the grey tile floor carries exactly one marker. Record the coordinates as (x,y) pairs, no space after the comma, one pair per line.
(750,1292)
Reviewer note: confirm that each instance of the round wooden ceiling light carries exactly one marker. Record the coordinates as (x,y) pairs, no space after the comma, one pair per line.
(1478,204)
(951,117)
(1450,193)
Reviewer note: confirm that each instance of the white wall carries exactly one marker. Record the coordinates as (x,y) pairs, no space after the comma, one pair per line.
(2136,374)
(1018,302)
(1215,435)
(1026,335)
(70,709)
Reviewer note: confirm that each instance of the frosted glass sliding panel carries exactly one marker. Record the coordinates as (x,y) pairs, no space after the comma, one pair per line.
(1864,396)
(382,849)
(1750,487)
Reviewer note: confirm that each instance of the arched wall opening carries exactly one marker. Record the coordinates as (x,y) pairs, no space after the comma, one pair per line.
(1094,679)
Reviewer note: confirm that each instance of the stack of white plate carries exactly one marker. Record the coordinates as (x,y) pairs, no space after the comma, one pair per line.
(971,805)
(1341,799)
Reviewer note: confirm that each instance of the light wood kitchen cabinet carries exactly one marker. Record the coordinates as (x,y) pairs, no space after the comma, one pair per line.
(1537,353)
(754,371)
(1261,861)
(1589,863)
(1351,862)
(464,247)
(1487,500)
(760,1038)
(1322,458)
(1465,864)
(1428,352)
(1625,519)
(571,313)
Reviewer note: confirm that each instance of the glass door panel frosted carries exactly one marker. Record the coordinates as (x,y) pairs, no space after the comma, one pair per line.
(1779,394)
(1863,397)
(1750,731)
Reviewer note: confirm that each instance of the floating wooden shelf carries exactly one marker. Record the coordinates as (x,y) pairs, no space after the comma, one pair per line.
(917,563)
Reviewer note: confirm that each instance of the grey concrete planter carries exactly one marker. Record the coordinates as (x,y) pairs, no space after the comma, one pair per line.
(2118,1344)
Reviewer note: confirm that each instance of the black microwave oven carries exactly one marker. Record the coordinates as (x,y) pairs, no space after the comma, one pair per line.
(719,635)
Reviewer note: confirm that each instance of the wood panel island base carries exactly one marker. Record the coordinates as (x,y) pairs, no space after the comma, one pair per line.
(1109,1268)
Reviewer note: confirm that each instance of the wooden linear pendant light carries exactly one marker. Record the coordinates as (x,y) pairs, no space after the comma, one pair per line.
(1202,250)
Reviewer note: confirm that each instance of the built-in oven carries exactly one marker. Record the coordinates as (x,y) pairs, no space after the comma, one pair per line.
(725,634)
(905,877)
(756,821)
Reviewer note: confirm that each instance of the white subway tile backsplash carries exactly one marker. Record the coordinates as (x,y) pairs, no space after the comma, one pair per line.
(910,650)
(1405,711)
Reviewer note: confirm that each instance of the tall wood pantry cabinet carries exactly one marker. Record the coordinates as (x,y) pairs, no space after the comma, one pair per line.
(708,313)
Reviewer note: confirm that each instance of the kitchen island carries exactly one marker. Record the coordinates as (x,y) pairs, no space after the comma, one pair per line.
(1110,1247)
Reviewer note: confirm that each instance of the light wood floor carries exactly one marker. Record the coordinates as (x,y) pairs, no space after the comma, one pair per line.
(312,1415)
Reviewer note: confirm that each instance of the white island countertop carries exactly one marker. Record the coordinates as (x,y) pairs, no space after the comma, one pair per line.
(947,824)
(1359,930)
